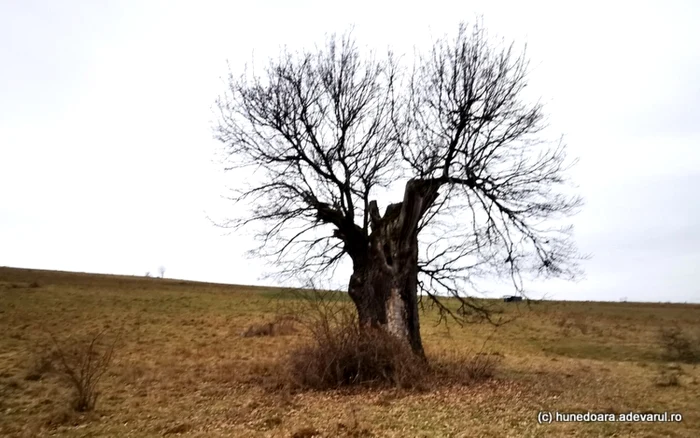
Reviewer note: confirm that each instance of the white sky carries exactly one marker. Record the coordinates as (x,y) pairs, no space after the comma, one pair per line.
(106,149)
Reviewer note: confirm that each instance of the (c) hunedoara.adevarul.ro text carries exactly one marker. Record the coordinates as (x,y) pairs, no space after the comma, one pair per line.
(546,417)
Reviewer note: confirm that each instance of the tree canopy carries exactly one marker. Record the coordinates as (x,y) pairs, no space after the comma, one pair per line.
(328,130)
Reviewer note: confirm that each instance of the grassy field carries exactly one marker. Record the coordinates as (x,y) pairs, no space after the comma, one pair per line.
(182,368)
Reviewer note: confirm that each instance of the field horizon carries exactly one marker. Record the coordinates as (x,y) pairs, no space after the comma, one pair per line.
(288,288)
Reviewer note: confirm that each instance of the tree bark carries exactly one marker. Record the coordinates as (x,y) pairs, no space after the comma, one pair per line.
(385,294)
(384,283)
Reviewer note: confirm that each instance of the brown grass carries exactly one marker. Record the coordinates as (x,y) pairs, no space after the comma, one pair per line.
(679,344)
(183,367)
(306,432)
(278,327)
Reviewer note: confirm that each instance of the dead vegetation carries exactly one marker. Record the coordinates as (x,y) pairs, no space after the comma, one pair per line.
(183,369)
(178,429)
(353,428)
(680,345)
(350,355)
(306,432)
(280,326)
(82,363)
(338,352)
(42,363)
(668,376)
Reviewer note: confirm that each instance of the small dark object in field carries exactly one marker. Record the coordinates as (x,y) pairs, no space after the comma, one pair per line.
(34,284)
(512,299)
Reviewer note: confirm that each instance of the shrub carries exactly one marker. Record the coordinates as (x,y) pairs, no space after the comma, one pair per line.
(678,345)
(83,363)
(342,353)
(347,354)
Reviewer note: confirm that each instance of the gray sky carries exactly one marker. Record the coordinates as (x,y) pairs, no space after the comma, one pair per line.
(106,149)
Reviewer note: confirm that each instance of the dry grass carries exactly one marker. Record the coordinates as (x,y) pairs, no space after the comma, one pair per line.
(183,368)
(680,345)
(278,327)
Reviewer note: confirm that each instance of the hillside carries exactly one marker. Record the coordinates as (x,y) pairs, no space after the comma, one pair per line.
(182,366)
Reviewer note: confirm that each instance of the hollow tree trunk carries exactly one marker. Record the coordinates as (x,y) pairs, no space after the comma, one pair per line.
(385,292)
(384,282)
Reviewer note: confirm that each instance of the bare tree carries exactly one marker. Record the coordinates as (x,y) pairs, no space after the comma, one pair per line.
(330,129)
(161,271)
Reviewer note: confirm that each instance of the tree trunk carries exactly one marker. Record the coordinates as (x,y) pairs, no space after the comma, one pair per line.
(387,298)
(384,282)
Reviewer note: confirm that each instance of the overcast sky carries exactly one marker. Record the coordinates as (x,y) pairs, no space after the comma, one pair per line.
(107,162)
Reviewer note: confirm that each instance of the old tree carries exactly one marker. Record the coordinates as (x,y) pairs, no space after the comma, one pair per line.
(330,129)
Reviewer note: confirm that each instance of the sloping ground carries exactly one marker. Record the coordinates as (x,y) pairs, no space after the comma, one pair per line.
(182,367)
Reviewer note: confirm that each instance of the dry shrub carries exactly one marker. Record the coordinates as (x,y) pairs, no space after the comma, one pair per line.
(345,354)
(351,355)
(340,352)
(679,345)
(83,362)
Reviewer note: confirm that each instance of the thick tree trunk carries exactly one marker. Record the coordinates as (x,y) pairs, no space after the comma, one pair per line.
(387,298)
(384,282)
